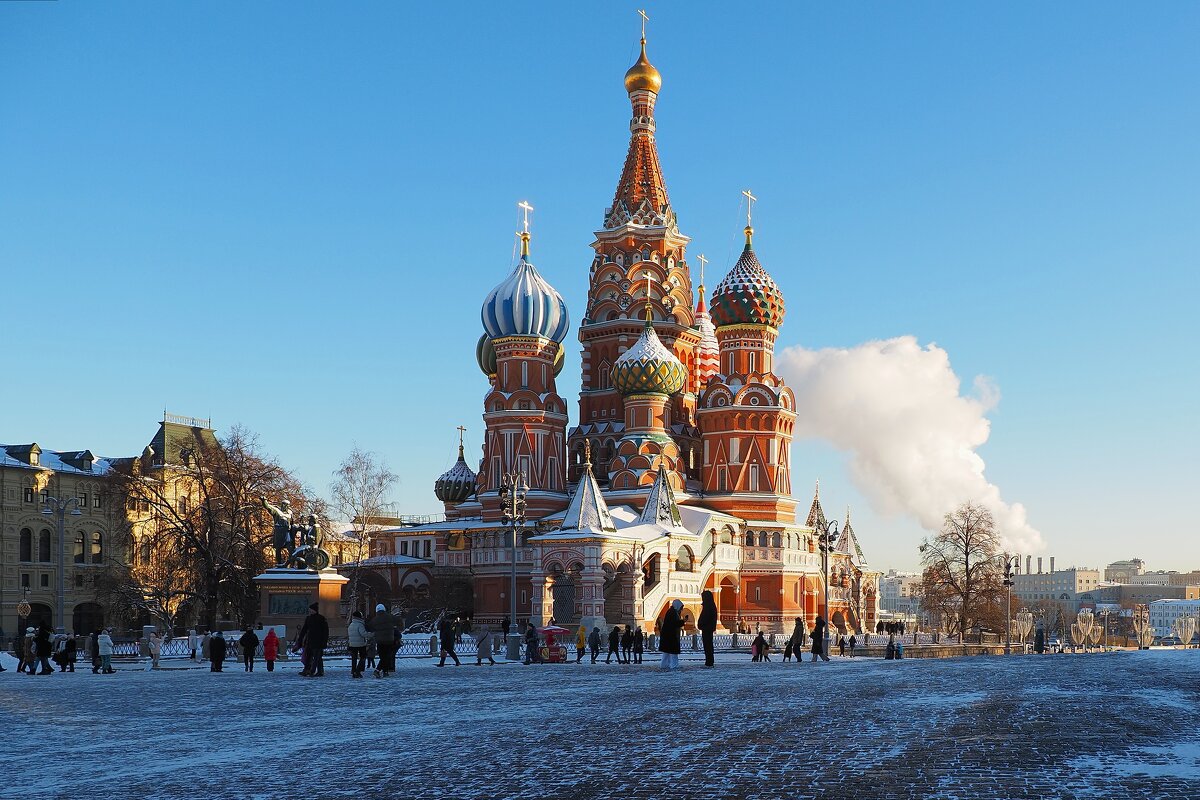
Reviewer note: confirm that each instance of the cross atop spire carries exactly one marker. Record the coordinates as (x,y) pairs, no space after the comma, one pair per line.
(649,315)
(524,232)
(642,13)
(461,431)
(703,263)
(750,198)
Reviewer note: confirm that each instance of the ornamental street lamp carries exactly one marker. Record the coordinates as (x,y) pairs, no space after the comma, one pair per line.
(825,541)
(58,508)
(512,498)
(1011,563)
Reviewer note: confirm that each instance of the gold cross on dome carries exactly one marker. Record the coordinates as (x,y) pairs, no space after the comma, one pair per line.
(648,276)
(645,19)
(525,209)
(703,263)
(749,205)
(461,431)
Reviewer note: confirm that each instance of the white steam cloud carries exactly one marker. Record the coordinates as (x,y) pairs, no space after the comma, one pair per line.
(896,408)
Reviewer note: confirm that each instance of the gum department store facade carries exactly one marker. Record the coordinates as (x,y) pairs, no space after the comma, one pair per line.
(677,477)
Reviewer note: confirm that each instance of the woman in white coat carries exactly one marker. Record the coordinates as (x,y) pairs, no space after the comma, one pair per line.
(105,643)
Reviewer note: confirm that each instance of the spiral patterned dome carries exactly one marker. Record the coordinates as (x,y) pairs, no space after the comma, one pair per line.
(524,304)
(648,367)
(747,295)
(456,484)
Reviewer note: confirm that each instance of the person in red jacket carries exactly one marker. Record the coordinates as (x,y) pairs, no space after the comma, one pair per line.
(270,649)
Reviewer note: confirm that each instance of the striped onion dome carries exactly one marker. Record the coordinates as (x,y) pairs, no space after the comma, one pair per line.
(457,483)
(648,367)
(524,304)
(747,295)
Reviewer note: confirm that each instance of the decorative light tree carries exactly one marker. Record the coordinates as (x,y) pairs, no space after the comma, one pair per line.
(1078,637)
(1024,624)
(1086,621)
(1141,627)
(1185,628)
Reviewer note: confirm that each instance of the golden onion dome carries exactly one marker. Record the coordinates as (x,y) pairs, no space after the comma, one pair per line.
(643,75)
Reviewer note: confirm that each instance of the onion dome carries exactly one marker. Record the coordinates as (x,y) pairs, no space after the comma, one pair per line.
(708,352)
(457,483)
(648,367)
(560,359)
(485,355)
(642,75)
(747,295)
(524,304)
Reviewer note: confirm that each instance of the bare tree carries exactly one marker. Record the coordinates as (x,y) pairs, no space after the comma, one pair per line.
(359,493)
(961,569)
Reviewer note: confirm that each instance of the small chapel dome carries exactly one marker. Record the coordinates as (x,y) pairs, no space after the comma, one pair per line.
(457,483)
(642,75)
(648,367)
(524,304)
(747,295)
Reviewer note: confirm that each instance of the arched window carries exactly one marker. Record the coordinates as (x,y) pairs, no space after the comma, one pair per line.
(97,548)
(762,539)
(26,544)
(79,552)
(776,540)
(131,553)
(44,546)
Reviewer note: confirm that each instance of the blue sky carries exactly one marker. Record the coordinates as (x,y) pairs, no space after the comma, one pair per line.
(286,215)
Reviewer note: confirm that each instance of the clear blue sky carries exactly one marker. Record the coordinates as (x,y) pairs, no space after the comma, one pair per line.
(286,215)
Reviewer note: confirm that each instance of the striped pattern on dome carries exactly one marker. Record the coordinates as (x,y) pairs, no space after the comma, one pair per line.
(747,295)
(524,304)
(457,483)
(648,367)
(708,352)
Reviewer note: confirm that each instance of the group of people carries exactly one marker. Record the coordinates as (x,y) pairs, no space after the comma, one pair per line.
(40,646)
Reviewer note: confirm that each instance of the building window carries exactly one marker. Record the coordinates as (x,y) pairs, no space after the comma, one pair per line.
(78,581)
(45,497)
(34,458)
(183,505)
(24,580)
(97,501)
(757,594)
(26,544)
(44,547)
(82,501)
(44,580)
(404,548)
(97,549)
(28,494)
(428,547)
(78,550)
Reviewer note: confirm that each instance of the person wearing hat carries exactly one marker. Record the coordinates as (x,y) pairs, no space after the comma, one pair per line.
(384,625)
(356,643)
(104,644)
(216,652)
(669,635)
(249,645)
(313,636)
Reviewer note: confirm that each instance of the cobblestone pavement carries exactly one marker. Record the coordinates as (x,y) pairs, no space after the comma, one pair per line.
(1066,726)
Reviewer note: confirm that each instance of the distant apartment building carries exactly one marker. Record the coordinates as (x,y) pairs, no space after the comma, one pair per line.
(1128,595)
(1163,614)
(900,592)
(1063,584)
(1124,571)
(1167,578)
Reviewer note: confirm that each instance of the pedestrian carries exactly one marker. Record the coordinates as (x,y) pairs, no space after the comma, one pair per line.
(787,649)
(356,642)
(580,643)
(216,652)
(889,652)
(383,625)
(639,643)
(42,653)
(818,639)
(70,652)
(505,627)
(94,651)
(532,656)
(483,645)
(249,645)
(614,644)
(760,644)
(853,641)
(104,646)
(155,644)
(842,645)
(594,643)
(707,623)
(193,642)
(797,640)
(899,648)
(372,650)
(669,633)
(29,648)
(270,649)
(205,640)
(448,632)
(627,643)
(313,636)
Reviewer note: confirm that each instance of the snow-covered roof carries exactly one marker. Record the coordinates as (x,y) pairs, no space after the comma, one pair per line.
(661,508)
(587,512)
(390,561)
(66,461)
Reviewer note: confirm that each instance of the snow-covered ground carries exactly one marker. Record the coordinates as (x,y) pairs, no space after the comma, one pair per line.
(1101,725)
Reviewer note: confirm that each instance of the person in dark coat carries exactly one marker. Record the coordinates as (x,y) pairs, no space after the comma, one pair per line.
(42,642)
(249,645)
(383,624)
(853,641)
(707,625)
(627,643)
(639,644)
(669,633)
(216,651)
(594,643)
(94,650)
(505,627)
(614,644)
(447,633)
(759,646)
(532,656)
(313,636)
(818,640)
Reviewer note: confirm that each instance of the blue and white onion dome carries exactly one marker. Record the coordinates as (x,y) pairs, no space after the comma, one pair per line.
(456,484)
(648,367)
(524,304)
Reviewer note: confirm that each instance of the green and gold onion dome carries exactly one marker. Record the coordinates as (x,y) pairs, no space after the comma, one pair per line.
(648,367)
(456,484)
(485,356)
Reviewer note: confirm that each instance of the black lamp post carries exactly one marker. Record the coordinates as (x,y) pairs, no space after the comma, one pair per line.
(512,497)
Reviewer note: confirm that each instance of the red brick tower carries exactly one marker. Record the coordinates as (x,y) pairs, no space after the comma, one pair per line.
(640,237)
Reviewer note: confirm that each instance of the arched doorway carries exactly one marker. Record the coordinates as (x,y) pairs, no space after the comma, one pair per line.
(87,618)
(39,613)
(839,621)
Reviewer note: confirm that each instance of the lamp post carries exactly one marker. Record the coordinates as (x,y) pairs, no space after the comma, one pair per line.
(58,508)
(1010,563)
(825,542)
(512,497)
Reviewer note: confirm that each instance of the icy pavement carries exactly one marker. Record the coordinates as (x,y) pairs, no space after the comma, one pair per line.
(1068,726)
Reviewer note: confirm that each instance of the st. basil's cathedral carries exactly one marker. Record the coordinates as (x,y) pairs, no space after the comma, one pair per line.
(677,476)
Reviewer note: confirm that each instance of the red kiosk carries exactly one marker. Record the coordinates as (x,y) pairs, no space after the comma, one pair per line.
(553,653)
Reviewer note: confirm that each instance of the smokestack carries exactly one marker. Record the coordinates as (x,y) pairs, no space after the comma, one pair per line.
(1028,565)
(1039,565)
(1051,565)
